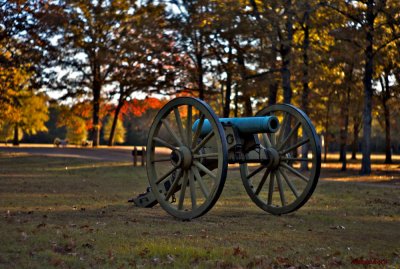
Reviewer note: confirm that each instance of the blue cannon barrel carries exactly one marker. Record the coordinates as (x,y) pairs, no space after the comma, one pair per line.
(247,125)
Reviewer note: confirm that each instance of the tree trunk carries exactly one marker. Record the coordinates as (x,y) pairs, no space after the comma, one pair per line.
(386,111)
(200,74)
(344,131)
(228,91)
(368,72)
(96,107)
(287,90)
(286,48)
(388,147)
(356,129)
(273,92)
(248,110)
(344,118)
(236,100)
(305,81)
(16,135)
(274,84)
(328,110)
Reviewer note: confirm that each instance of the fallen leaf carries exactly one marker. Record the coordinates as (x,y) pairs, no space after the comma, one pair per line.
(338,227)
(24,236)
(143,253)
(87,245)
(170,258)
(41,225)
(110,255)
(239,252)
(155,260)
(56,262)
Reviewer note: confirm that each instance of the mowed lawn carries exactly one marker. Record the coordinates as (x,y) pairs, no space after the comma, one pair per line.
(73,213)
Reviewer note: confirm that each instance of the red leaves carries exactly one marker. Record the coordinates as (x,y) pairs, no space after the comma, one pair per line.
(237,251)
(139,107)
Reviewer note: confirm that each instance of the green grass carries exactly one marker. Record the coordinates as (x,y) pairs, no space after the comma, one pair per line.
(73,213)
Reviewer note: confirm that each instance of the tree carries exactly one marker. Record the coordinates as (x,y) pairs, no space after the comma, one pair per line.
(369,18)
(119,130)
(7,132)
(24,47)
(76,130)
(276,18)
(146,62)
(386,93)
(75,118)
(91,34)
(192,30)
(29,116)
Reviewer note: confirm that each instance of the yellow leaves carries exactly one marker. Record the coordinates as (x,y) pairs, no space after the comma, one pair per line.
(18,103)
(120,132)
(205,23)
(76,129)
(34,114)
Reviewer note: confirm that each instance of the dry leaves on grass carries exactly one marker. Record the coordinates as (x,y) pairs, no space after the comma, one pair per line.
(238,252)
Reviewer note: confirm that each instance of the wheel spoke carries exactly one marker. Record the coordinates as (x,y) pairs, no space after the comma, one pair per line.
(294,171)
(295,146)
(203,142)
(289,135)
(262,182)
(174,185)
(280,187)
(171,132)
(283,158)
(271,188)
(180,125)
(205,155)
(198,130)
(204,169)
(289,183)
(183,189)
(192,189)
(273,139)
(267,142)
(255,171)
(189,126)
(166,175)
(282,127)
(199,179)
(164,143)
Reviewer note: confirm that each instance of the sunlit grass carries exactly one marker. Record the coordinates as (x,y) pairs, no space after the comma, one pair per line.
(79,217)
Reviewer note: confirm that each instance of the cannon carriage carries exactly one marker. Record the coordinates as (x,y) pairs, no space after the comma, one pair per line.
(278,153)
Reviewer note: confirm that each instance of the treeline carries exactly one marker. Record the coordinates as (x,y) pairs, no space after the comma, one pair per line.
(71,123)
(337,60)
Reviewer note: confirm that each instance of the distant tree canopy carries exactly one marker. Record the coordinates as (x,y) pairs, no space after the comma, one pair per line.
(120,132)
(337,60)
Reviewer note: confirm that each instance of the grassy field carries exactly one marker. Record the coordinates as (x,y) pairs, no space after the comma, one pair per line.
(73,213)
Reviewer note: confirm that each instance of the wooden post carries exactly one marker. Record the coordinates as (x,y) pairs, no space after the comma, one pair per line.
(135,156)
(143,156)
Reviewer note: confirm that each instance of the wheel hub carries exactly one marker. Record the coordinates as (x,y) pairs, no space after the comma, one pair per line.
(273,157)
(176,158)
(182,157)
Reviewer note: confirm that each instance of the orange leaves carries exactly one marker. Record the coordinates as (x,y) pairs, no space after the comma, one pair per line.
(139,107)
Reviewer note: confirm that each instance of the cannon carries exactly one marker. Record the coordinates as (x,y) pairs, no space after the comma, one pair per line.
(277,151)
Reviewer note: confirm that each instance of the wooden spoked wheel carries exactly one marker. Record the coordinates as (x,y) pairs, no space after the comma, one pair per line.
(285,182)
(186,171)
